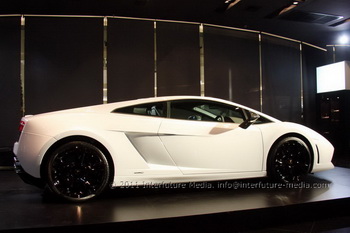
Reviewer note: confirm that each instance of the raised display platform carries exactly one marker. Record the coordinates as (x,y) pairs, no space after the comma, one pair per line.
(237,205)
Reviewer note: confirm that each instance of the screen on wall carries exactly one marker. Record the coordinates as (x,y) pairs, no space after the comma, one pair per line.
(333,77)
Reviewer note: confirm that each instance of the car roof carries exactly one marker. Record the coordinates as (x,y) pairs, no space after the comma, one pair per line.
(106,108)
(163,99)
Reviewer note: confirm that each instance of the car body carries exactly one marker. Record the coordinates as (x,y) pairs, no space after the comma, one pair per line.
(80,152)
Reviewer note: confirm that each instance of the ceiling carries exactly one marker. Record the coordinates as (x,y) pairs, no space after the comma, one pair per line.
(318,22)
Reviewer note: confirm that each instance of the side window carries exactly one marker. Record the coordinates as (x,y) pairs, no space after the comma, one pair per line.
(151,109)
(206,111)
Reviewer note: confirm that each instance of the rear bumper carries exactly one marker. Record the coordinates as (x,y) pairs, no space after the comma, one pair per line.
(28,179)
(30,150)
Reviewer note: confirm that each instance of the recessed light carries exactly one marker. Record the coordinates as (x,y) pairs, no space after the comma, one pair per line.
(343,39)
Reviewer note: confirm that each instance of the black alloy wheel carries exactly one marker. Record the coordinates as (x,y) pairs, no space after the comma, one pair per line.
(78,171)
(289,160)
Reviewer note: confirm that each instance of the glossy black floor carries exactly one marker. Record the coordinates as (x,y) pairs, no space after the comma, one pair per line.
(319,204)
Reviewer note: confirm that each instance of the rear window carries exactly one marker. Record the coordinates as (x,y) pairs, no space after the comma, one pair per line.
(151,109)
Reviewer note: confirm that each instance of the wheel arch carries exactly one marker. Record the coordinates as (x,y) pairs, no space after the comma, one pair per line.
(298,135)
(83,138)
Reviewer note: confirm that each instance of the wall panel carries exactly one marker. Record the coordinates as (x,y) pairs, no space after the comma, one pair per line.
(130,59)
(232,65)
(64,66)
(342,53)
(10,85)
(178,59)
(312,58)
(281,82)
(64,63)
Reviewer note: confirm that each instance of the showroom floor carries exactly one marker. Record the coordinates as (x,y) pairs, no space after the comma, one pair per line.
(319,205)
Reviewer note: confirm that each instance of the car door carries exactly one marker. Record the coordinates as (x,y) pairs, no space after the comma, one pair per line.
(204,137)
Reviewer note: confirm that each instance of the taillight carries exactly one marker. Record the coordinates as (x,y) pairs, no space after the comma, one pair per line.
(21,126)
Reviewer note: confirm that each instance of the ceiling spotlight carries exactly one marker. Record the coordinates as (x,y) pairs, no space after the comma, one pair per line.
(343,39)
(231,3)
(285,9)
(291,6)
(227,5)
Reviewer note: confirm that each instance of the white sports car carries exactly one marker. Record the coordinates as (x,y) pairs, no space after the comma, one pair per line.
(78,153)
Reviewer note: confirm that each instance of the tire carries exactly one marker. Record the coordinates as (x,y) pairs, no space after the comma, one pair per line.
(289,160)
(77,171)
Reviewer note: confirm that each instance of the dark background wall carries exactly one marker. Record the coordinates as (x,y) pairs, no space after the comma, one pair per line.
(69,61)
(336,53)
(231,65)
(281,78)
(130,56)
(63,63)
(10,84)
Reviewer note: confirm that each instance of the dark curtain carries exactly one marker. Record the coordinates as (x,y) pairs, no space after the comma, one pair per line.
(130,59)
(338,54)
(330,55)
(232,65)
(64,66)
(281,78)
(342,53)
(312,58)
(178,59)
(64,63)
(10,85)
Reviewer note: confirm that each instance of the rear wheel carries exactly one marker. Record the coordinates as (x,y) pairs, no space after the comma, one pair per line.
(289,160)
(77,171)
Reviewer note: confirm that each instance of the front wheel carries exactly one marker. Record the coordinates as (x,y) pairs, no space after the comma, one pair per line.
(77,171)
(289,160)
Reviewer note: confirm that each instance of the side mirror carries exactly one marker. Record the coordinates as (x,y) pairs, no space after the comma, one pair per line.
(251,120)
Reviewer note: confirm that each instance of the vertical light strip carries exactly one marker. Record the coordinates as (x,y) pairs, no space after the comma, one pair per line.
(155,60)
(22,66)
(201,59)
(230,91)
(261,73)
(105,86)
(301,82)
(333,54)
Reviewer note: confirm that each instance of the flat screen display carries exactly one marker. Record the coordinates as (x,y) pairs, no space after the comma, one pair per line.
(333,77)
